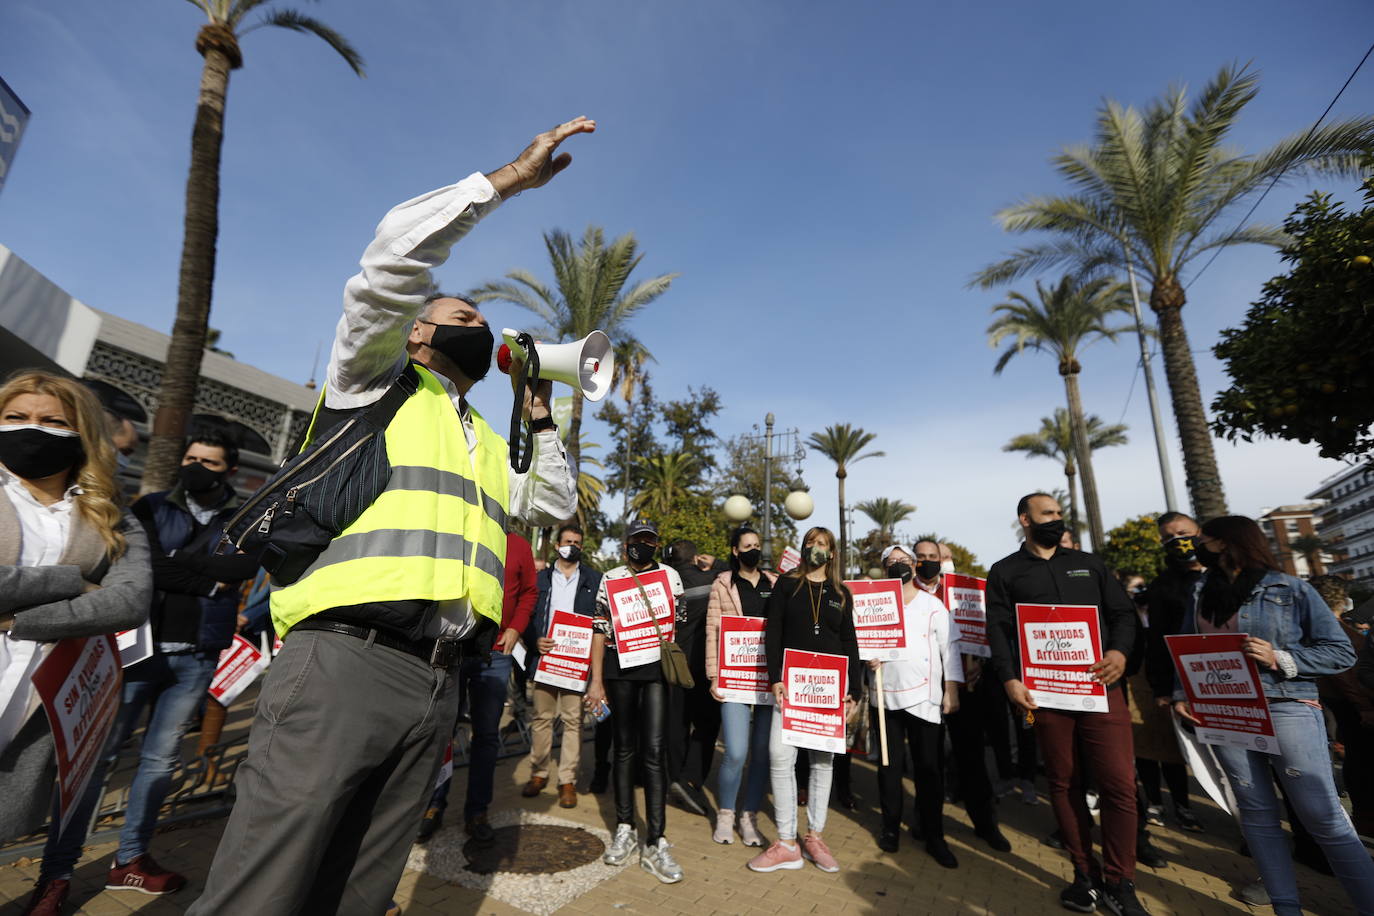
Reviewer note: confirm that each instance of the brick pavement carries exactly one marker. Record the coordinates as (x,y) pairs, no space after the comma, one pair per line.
(1203,869)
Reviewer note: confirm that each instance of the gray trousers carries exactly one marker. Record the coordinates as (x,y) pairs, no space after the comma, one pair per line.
(344,750)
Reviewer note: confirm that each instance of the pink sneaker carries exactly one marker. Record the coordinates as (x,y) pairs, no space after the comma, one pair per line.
(777,856)
(814,848)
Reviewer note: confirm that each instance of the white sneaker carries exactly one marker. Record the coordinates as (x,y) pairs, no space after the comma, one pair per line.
(622,844)
(1092,799)
(725,826)
(749,828)
(658,861)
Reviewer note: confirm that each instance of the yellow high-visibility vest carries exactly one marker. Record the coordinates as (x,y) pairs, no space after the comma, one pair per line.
(438,530)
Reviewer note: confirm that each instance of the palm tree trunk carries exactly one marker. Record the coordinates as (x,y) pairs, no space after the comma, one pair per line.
(180,374)
(1071,477)
(1085,464)
(1199,458)
(841,474)
(574,443)
(625,460)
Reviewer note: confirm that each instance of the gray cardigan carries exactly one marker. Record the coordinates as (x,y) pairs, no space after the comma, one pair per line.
(47,603)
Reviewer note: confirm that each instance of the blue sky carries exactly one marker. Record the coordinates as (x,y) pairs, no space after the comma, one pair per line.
(823,176)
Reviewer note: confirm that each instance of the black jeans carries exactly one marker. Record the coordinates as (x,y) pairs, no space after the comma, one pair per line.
(968,729)
(639,710)
(927,743)
(693,727)
(1175,776)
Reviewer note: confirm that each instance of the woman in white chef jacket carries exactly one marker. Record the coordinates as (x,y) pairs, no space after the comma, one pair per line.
(918,692)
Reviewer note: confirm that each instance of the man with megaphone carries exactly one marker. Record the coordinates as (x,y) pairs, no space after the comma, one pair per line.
(355,711)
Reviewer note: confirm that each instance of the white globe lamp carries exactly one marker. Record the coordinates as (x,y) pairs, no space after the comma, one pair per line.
(738,509)
(799,504)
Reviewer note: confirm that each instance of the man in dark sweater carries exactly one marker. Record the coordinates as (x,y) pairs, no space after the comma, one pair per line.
(693,714)
(1042,572)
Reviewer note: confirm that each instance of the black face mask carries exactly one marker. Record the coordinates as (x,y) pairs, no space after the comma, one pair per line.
(570,552)
(1207,557)
(900,571)
(1181,550)
(1047,534)
(468,348)
(640,554)
(197,478)
(928,569)
(36,452)
(750,558)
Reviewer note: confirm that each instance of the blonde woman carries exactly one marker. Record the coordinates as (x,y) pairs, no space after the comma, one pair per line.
(71,565)
(810,609)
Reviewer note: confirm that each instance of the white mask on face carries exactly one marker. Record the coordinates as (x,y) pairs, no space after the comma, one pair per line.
(947,567)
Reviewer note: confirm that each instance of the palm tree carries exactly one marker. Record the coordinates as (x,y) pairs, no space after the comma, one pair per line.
(590,294)
(1149,192)
(590,488)
(1311,547)
(1065,319)
(842,444)
(218,43)
(630,358)
(886,513)
(665,481)
(1054,440)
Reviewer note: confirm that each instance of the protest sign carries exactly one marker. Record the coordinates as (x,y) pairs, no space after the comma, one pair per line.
(813,706)
(966,598)
(1059,643)
(78,684)
(135,645)
(879,619)
(636,640)
(790,559)
(1223,690)
(568,663)
(239,666)
(742,675)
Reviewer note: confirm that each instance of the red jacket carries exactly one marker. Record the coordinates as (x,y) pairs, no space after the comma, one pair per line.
(521,590)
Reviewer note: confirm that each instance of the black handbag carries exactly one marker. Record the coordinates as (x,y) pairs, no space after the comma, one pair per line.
(317,494)
(671,659)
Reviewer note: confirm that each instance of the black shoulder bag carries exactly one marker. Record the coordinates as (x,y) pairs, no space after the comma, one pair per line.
(671,659)
(317,494)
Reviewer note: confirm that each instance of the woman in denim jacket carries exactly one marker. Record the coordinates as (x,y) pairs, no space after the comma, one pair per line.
(1294,640)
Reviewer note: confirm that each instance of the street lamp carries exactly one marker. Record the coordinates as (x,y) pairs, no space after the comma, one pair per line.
(798,504)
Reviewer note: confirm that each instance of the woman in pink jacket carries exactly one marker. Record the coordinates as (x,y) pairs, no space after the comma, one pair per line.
(743,591)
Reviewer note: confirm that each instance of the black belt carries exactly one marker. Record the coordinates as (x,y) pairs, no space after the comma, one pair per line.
(438,653)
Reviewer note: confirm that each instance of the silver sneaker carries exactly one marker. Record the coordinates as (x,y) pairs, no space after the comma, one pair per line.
(749,829)
(659,862)
(622,844)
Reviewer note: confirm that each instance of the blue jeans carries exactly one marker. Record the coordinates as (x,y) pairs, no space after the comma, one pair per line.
(173,685)
(1304,768)
(486,683)
(746,737)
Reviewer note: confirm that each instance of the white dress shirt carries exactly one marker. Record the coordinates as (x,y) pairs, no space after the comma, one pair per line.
(916,685)
(381,303)
(43,533)
(563,590)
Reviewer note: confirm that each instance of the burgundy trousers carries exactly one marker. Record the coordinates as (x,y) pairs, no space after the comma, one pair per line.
(1083,749)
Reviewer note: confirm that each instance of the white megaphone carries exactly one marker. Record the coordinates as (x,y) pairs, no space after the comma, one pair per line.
(585,364)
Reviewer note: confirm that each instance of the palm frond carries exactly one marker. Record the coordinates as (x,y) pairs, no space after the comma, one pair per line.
(299,22)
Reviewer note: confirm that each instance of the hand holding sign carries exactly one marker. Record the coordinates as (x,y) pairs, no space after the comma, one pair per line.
(1108,671)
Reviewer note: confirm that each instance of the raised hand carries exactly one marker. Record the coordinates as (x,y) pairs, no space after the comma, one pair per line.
(537,164)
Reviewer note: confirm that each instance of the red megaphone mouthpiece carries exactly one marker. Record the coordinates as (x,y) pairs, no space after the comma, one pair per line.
(503,358)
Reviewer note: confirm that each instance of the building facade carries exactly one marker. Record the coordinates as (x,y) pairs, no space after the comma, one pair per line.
(1346,522)
(1289,524)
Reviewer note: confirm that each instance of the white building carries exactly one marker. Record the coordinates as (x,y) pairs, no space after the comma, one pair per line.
(1347,522)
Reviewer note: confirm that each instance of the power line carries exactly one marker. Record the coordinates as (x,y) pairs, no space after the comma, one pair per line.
(1255,206)
(1127,405)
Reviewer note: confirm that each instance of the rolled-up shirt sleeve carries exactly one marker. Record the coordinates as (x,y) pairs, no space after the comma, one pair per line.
(382,300)
(547,494)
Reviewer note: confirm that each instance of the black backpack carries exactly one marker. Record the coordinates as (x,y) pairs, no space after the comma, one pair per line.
(318,493)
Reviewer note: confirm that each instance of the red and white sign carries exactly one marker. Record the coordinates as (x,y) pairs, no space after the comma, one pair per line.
(1059,643)
(568,663)
(79,685)
(813,707)
(790,559)
(742,664)
(966,598)
(879,618)
(239,666)
(1224,692)
(636,640)
(446,768)
(135,645)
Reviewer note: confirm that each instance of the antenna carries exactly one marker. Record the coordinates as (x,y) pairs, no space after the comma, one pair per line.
(315,364)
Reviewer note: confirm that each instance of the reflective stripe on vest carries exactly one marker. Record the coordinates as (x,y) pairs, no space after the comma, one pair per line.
(436,533)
